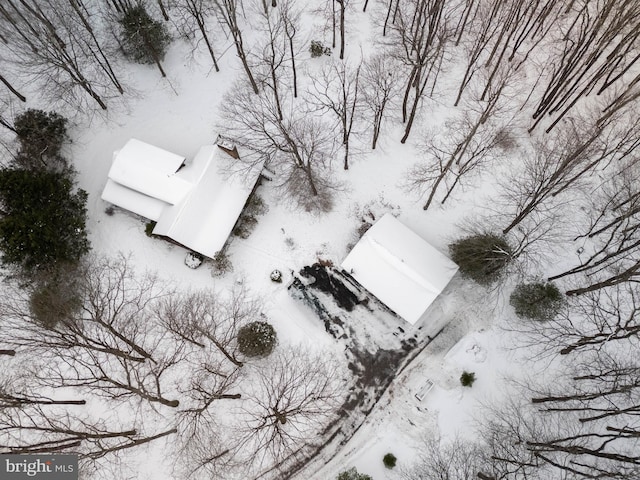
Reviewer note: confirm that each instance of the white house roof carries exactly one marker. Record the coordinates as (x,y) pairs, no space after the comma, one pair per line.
(149,170)
(204,219)
(400,268)
(196,205)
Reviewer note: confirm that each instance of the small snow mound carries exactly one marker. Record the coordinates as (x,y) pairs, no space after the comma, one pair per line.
(479,354)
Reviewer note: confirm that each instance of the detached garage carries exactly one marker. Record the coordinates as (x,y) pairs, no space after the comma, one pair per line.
(399,268)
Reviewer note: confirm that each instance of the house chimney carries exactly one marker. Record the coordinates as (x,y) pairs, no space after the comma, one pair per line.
(227,146)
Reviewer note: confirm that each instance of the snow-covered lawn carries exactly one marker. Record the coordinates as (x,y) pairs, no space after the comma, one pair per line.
(468,328)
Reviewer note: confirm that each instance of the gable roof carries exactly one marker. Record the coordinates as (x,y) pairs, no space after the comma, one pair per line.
(399,267)
(149,170)
(196,204)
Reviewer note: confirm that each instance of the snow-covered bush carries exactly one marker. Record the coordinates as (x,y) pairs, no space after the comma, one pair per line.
(352,474)
(221,264)
(276,276)
(257,339)
(481,257)
(467,379)
(538,301)
(193,260)
(389,460)
(143,39)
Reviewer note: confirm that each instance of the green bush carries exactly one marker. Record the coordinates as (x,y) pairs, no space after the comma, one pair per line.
(143,39)
(257,339)
(481,257)
(44,219)
(41,136)
(352,474)
(537,301)
(467,379)
(389,460)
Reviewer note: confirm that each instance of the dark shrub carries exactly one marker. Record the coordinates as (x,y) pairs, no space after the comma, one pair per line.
(244,227)
(221,264)
(317,49)
(467,379)
(41,136)
(352,474)
(56,297)
(254,207)
(389,460)
(481,257)
(143,39)
(257,339)
(538,301)
(44,219)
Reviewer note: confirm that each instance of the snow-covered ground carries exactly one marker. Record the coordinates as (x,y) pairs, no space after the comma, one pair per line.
(179,114)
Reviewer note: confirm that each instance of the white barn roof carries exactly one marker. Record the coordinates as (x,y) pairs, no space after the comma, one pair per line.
(195,204)
(400,268)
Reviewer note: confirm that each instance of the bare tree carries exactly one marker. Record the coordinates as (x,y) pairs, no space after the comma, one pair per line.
(422,29)
(572,154)
(379,89)
(612,238)
(451,460)
(12,89)
(337,90)
(470,143)
(290,17)
(601,399)
(581,423)
(598,45)
(55,42)
(110,344)
(343,5)
(591,321)
(200,12)
(506,432)
(116,377)
(208,318)
(298,147)
(227,12)
(36,429)
(295,396)
(204,447)
(273,54)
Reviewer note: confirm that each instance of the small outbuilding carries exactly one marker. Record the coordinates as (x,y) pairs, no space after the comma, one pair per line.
(195,203)
(399,268)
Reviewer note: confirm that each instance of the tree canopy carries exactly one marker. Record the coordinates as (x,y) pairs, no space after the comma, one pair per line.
(43,218)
